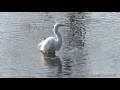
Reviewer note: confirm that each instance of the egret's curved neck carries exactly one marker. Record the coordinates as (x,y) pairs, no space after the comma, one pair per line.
(58,37)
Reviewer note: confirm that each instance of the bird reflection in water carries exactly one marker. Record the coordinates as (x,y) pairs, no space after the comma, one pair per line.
(53,63)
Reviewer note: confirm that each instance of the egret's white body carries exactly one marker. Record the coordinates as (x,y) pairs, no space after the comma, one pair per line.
(51,44)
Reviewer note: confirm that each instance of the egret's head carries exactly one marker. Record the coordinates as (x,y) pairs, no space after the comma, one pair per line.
(59,24)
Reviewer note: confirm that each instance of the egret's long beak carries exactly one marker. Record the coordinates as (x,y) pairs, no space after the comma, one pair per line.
(67,26)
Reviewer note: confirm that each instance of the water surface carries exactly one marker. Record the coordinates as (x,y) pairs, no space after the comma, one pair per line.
(90,46)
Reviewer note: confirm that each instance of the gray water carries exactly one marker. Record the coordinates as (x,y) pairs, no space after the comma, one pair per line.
(91,45)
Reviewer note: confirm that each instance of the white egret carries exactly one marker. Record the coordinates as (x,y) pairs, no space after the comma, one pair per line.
(51,44)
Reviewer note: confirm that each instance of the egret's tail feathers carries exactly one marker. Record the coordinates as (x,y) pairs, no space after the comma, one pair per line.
(39,45)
